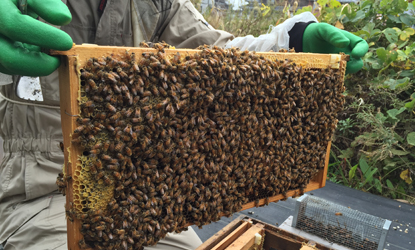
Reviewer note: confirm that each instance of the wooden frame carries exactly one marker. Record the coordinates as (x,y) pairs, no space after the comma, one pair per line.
(273,237)
(76,58)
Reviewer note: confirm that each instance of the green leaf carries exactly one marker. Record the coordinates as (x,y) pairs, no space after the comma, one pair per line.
(376,63)
(381,117)
(369,175)
(401,45)
(352,172)
(369,27)
(390,185)
(391,47)
(363,165)
(304,9)
(360,14)
(411,138)
(398,152)
(407,73)
(391,35)
(397,137)
(348,153)
(322,3)
(393,55)
(394,84)
(378,185)
(394,112)
(402,56)
(395,19)
(385,3)
(410,105)
(363,34)
(382,54)
(334,4)
(407,19)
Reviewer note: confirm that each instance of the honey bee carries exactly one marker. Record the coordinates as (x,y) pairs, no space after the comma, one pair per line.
(107,180)
(99,175)
(94,151)
(115,117)
(111,108)
(117,175)
(119,231)
(79,129)
(128,151)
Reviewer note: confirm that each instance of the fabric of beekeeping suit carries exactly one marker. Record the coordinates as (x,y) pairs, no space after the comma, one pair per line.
(275,40)
(31,211)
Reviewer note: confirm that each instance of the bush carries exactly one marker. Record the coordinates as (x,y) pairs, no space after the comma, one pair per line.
(373,148)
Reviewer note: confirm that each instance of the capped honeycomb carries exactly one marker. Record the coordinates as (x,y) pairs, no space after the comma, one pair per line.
(170,140)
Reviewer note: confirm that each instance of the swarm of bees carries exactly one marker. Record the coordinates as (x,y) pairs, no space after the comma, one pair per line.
(187,139)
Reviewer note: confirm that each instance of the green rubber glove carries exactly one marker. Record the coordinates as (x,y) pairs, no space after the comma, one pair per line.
(325,38)
(22,36)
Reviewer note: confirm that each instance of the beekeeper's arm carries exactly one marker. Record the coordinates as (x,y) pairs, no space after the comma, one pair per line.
(185,27)
(305,34)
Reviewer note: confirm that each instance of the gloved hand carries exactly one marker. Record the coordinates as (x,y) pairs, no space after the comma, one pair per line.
(22,36)
(325,38)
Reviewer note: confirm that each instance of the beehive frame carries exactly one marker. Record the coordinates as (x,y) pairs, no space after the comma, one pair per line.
(77,57)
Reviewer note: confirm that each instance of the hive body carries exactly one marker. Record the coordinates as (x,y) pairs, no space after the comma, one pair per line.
(166,140)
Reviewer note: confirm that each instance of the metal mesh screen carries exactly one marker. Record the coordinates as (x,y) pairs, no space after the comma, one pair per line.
(340,224)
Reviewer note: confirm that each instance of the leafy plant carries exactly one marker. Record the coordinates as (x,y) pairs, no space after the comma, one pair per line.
(375,135)
(344,126)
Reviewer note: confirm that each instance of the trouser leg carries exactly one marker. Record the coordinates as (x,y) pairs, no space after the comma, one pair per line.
(45,231)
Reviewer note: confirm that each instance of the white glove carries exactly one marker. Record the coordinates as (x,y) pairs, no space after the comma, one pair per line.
(277,39)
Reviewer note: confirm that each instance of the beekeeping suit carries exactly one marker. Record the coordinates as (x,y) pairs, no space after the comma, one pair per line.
(32,214)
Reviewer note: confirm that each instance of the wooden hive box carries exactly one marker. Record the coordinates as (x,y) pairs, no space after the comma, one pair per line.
(245,233)
(80,169)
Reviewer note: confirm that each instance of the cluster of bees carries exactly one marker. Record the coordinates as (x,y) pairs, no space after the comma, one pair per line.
(186,139)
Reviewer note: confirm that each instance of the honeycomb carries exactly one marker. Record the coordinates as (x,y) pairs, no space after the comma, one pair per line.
(89,194)
(170,141)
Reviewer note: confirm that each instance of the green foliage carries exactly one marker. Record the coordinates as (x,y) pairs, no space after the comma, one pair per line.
(345,126)
(375,135)
(253,19)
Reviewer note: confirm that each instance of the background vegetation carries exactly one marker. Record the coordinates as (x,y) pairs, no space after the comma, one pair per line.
(373,148)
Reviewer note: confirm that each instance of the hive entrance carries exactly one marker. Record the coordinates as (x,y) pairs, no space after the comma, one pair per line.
(170,140)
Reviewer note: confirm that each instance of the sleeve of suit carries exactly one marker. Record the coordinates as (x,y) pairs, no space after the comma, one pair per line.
(186,28)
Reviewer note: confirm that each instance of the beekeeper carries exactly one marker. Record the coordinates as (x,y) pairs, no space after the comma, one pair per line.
(32,214)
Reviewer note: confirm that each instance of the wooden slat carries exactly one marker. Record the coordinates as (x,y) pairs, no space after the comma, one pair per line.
(221,234)
(307,60)
(305,247)
(247,240)
(278,241)
(68,90)
(232,236)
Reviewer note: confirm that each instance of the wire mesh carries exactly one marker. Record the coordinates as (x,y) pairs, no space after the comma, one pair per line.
(339,224)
